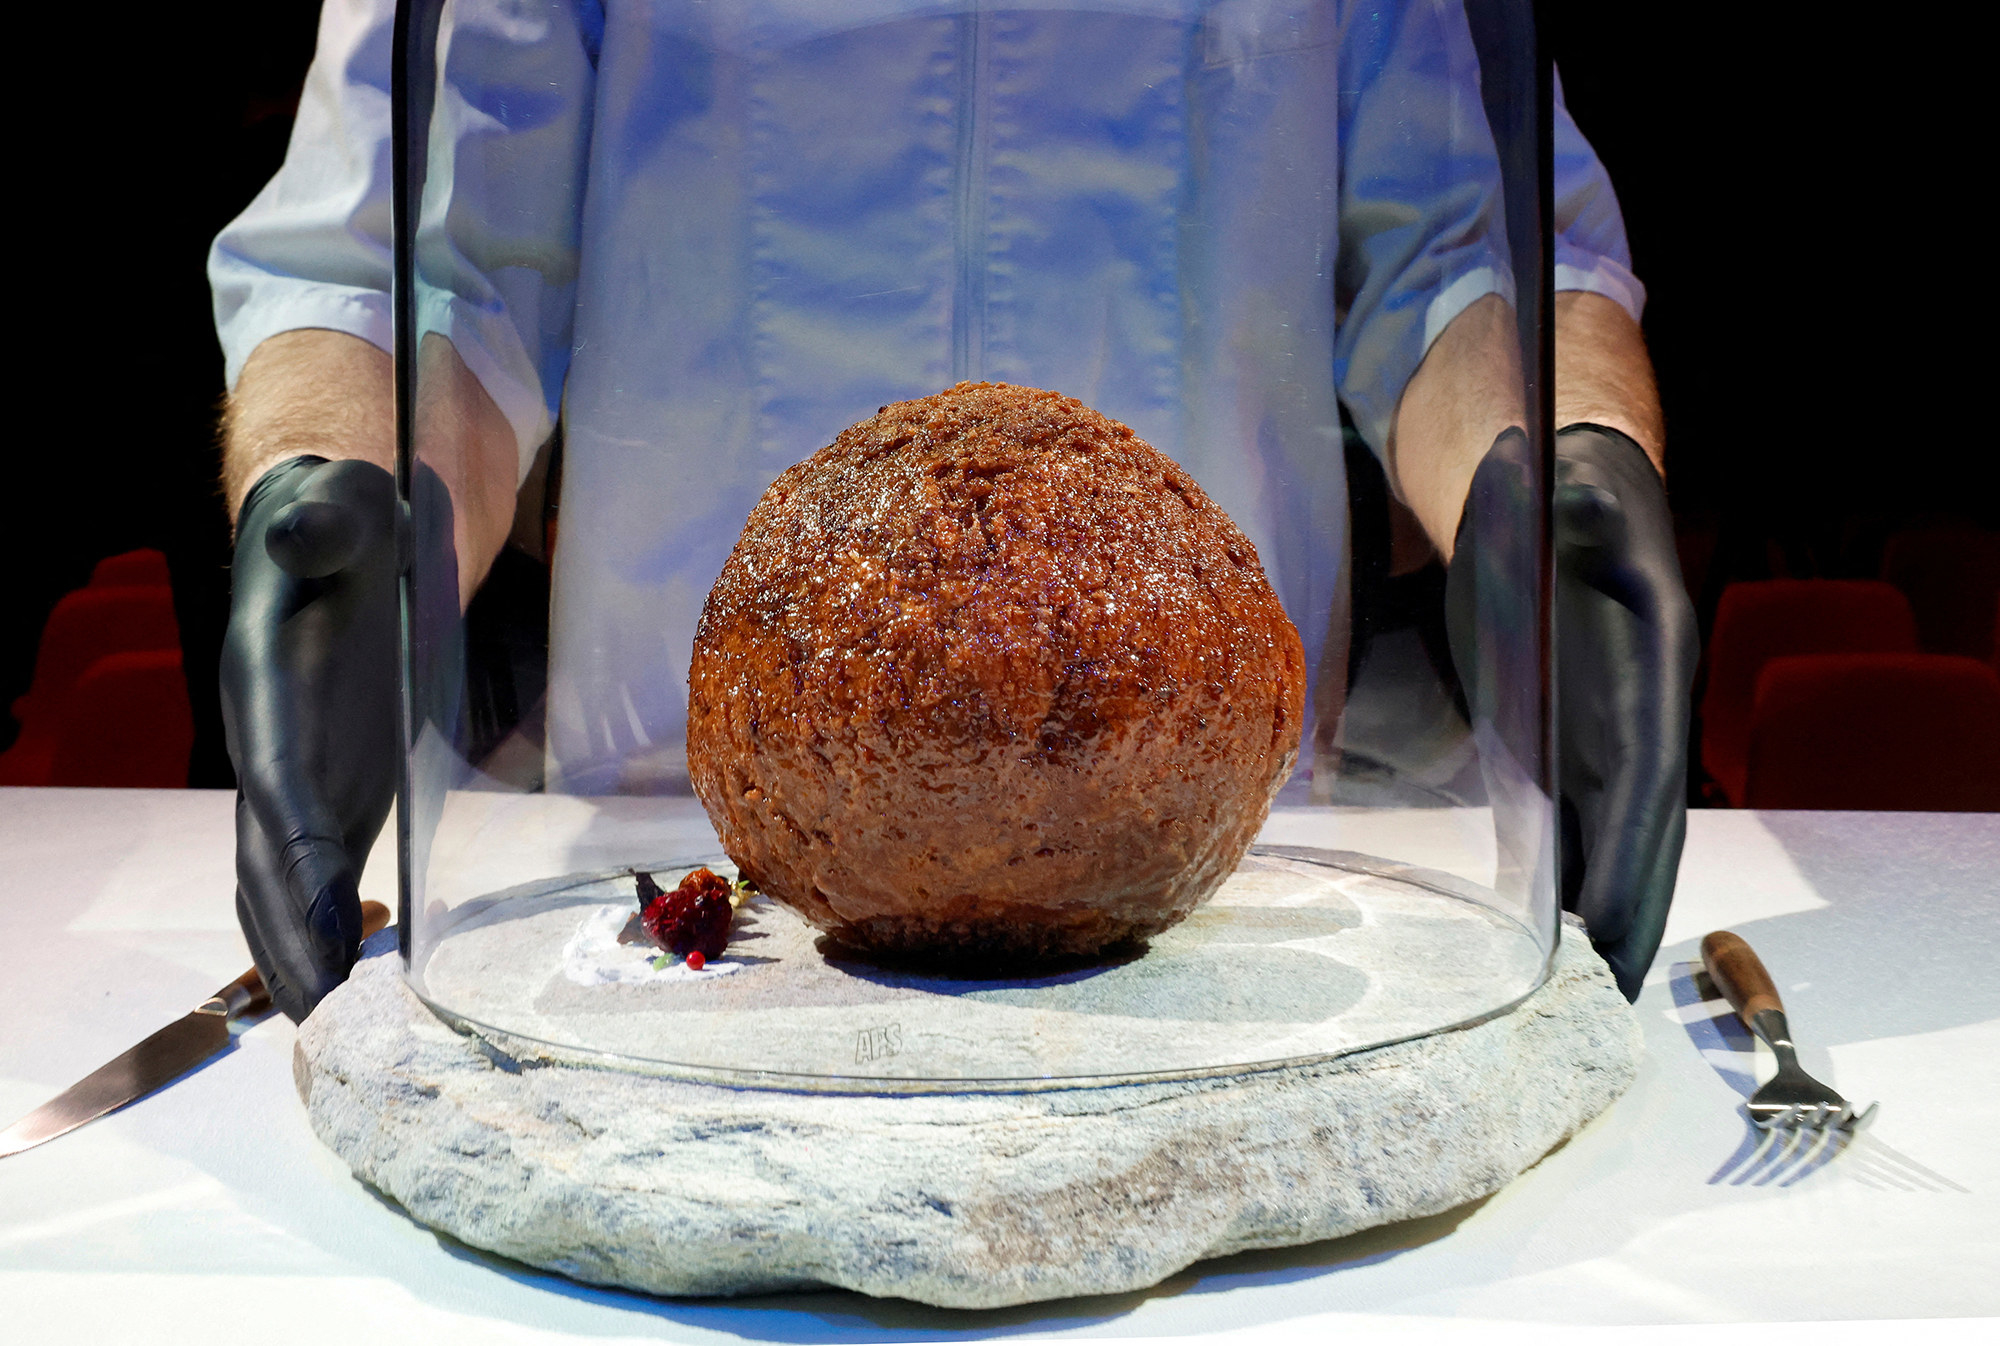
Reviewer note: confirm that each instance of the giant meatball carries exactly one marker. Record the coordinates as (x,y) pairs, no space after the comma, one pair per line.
(989,680)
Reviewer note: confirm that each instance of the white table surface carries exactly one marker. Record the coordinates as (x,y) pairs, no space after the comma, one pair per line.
(210,1206)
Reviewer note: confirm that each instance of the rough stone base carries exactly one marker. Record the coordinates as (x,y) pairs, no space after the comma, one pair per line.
(961,1200)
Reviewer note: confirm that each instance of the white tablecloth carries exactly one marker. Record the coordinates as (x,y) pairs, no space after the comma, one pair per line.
(210,1207)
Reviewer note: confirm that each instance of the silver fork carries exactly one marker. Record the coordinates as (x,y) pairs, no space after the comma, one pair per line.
(1793,1100)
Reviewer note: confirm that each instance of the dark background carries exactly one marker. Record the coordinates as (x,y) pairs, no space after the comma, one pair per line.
(168,119)
(1796,194)
(1795,188)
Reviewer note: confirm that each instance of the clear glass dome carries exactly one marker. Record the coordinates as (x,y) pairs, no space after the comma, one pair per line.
(655,252)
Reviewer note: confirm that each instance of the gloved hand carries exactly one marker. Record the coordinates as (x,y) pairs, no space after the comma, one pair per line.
(309,705)
(1626,648)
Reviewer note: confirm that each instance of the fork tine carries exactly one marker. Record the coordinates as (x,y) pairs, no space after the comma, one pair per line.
(1843,1119)
(1867,1116)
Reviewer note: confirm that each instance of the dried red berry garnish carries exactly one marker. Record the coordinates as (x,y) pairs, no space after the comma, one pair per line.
(693,918)
(696,962)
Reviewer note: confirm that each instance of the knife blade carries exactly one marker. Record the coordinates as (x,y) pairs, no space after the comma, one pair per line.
(160,1059)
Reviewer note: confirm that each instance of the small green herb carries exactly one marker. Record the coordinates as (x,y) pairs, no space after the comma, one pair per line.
(663,962)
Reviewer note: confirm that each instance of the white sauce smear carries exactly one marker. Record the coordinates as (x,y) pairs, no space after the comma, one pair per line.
(594,957)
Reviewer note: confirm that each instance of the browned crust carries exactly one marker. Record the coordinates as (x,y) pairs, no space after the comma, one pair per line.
(989,673)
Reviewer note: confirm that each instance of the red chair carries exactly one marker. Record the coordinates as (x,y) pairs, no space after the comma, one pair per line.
(126,723)
(1952,578)
(86,626)
(1766,619)
(143,568)
(1875,731)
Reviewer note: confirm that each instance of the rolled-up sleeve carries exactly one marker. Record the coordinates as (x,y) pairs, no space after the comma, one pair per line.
(312,250)
(1591,250)
(497,245)
(1421,225)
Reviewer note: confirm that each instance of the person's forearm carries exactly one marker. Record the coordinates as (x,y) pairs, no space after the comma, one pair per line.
(1603,374)
(331,394)
(1464,394)
(316,392)
(1468,390)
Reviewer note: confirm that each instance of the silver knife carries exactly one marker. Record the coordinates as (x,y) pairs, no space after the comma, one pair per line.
(160,1059)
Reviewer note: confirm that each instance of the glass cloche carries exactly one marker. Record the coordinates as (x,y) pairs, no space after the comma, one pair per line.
(658,253)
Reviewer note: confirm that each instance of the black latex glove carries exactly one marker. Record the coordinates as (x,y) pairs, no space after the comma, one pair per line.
(1625,658)
(309,706)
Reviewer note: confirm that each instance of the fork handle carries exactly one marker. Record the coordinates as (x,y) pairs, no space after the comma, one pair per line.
(1739,974)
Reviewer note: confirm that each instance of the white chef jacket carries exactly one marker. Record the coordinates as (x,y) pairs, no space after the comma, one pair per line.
(711,233)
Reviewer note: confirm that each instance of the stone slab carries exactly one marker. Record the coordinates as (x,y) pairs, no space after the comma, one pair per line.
(961,1200)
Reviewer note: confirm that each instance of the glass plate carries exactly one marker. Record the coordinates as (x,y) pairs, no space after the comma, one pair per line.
(1302,955)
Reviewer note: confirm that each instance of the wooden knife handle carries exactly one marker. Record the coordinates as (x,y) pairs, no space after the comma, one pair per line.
(1739,974)
(247,994)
